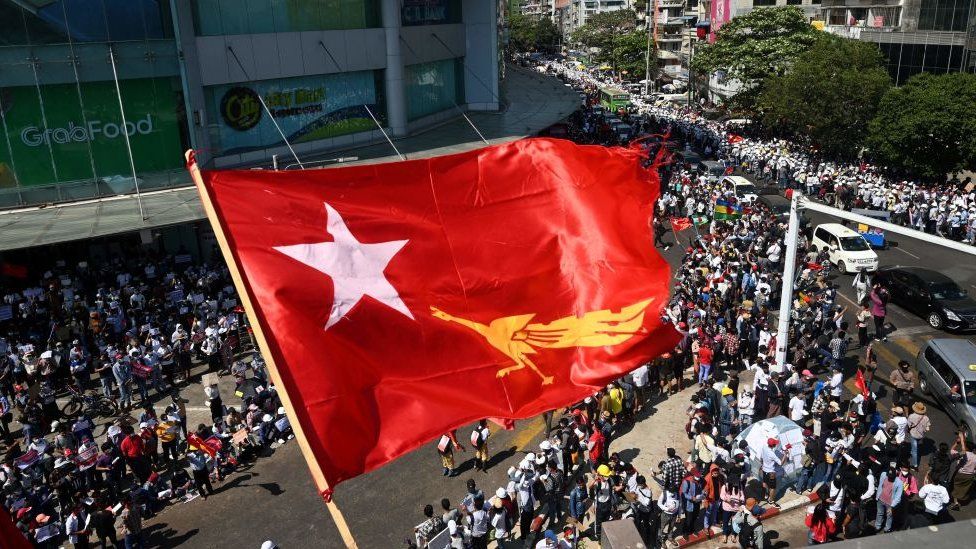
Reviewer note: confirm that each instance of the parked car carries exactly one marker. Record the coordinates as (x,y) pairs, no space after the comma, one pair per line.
(845,248)
(713,169)
(947,373)
(931,295)
(745,191)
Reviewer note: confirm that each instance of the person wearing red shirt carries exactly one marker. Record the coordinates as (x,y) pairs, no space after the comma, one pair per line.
(134,448)
(705,354)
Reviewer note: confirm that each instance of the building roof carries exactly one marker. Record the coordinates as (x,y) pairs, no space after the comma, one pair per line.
(534,102)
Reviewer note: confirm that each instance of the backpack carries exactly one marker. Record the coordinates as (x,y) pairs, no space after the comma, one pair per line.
(747,533)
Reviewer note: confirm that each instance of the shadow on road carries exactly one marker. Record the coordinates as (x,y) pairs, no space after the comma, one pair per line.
(160,535)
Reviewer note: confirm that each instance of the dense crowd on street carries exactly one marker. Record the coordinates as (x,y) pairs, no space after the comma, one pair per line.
(94,426)
(944,208)
(863,458)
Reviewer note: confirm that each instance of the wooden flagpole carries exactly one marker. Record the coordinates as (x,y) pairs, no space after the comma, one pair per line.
(317,475)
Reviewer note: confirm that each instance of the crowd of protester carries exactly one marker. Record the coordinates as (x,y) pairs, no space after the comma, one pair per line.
(95,433)
(945,208)
(862,457)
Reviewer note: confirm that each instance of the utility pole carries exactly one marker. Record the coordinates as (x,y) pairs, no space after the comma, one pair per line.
(789,265)
(647,59)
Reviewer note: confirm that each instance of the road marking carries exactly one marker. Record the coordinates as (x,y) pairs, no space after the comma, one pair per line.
(534,426)
(907,252)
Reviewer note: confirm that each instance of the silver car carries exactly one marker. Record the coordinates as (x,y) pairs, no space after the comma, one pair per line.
(947,373)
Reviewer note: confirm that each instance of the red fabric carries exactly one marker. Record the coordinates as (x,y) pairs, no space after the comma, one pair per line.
(537,227)
(210,446)
(823,530)
(132,446)
(679,224)
(861,384)
(12,270)
(10,536)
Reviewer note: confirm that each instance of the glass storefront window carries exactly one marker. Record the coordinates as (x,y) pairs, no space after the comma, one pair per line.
(63,21)
(61,131)
(433,87)
(430,12)
(307,108)
(225,17)
(69,131)
(944,15)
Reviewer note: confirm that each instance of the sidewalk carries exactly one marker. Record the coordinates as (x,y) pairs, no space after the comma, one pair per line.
(662,425)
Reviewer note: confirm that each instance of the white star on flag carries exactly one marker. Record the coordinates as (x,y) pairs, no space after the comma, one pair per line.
(356,268)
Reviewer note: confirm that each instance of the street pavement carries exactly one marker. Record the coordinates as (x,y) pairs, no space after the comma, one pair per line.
(275,497)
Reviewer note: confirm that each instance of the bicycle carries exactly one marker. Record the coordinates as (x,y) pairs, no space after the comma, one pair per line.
(92,405)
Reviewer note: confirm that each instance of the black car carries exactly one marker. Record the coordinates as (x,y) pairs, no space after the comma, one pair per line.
(931,295)
(781,209)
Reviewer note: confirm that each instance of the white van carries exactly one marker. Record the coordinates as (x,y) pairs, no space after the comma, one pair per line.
(846,249)
(745,191)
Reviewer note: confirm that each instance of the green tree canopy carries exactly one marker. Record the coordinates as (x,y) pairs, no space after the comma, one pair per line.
(630,50)
(928,126)
(829,95)
(604,30)
(756,46)
(532,33)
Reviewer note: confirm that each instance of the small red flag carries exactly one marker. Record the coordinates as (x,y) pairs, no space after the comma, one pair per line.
(210,446)
(814,266)
(402,300)
(860,383)
(679,224)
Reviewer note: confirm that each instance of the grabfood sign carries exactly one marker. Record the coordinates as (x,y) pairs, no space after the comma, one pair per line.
(48,138)
(33,136)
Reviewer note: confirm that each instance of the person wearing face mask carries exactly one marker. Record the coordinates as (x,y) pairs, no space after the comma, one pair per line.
(910,485)
(890,490)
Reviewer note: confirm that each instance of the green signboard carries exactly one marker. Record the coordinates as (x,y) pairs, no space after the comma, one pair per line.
(69,132)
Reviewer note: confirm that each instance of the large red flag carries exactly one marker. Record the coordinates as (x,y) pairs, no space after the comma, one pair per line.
(399,301)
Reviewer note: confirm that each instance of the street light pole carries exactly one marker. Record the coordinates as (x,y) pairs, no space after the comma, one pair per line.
(789,273)
(789,265)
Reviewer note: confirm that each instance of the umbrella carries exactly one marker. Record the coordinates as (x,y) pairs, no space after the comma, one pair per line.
(786,432)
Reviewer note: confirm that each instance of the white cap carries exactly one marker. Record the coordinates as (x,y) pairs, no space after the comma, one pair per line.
(501,493)
(281,410)
(545,445)
(269,545)
(267,417)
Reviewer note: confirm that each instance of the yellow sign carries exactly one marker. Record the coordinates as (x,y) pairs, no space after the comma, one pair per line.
(516,338)
(819,25)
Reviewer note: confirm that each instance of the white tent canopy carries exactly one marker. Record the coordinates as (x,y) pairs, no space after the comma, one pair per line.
(786,432)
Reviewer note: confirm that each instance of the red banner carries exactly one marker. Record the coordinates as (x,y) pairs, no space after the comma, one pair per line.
(679,224)
(400,301)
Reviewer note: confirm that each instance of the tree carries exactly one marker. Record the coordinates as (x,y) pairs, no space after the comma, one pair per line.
(754,47)
(532,33)
(928,126)
(829,95)
(603,30)
(630,51)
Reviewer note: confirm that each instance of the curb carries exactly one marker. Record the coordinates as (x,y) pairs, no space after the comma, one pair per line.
(705,535)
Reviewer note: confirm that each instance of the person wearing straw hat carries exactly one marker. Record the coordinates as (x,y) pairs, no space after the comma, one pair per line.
(918,425)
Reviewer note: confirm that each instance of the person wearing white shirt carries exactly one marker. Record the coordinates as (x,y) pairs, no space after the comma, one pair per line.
(797,405)
(641,376)
(936,498)
(837,383)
